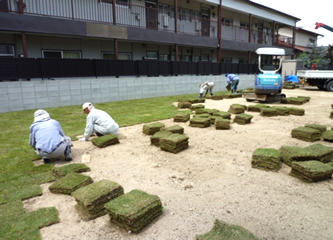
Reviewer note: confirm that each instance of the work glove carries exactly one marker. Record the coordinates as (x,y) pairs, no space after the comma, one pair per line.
(82,139)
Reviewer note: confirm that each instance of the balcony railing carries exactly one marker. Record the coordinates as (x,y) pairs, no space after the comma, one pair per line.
(138,16)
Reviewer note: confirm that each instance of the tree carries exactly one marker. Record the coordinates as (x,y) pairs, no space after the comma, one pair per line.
(329,54)
(317,55)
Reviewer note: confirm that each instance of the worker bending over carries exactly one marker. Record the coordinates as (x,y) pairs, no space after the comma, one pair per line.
(205,87)
(233,81)
(98,122)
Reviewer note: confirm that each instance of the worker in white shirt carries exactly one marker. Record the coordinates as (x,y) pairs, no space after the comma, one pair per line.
(205,87)
(98,122)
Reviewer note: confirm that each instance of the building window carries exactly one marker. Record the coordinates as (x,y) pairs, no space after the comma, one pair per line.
(125,2)
(7,51)
(164,57)
(226,60)
(152,55)
(227,22)
(205,57)
(121,56)
(244,25)
(243,60)
(61,54)
(196,58)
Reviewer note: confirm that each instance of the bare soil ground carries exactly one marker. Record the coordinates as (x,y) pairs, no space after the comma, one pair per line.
(212,179)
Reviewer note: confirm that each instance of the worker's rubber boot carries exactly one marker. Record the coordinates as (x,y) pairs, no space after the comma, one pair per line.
(68,155)
(46,160)
(200,95)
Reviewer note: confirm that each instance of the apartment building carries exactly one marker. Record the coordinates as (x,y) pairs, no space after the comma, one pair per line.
(178,30)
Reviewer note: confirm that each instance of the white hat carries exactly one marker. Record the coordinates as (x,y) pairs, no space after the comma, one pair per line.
(41,115)
(87,105)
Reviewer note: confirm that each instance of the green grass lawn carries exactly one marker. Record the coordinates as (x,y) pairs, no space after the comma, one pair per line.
(20,179)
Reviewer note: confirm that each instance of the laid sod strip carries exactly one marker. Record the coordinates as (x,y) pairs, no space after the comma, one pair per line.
(31,234)
(174,129)
(181,117)
(222,230)
(289,154)
(321,128)
(151,128)
(237,108)
(296,111)
(311,171)
(222,124)
(135,210)
(13,208)
(297,101)
(306,134)
(321,152)
(174,143)
(257,107)
(184,105)
(156,138)
(223,114)
(199,122)
(70,183)
(243,118)
(282,111)
(267,159)
(268,112)
(192,100)
(70,168)
(28,221)
(217,97)
(328,136)
(92,198)
(197,106)
(20,193)
(105,140)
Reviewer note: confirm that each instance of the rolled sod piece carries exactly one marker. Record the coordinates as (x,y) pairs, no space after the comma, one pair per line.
(243,118)
(256,107)
(289,154)
(321,128)
(268,112)
(70,168)
(296,111)
(105,140)
(70,183)
(217,97)
(267,159)
(174,143)
(306,98)
(134,210)
(92,198)
(199,122)
(156,138)
(225,115)
(197,106)
(311,171)
(184,104)
(282,111)
(222,230)
(151,128)
(222,124)
(321,152)
(174,129)
(181,117)
(206,110)
(328,136)
(237,108)
(306,134)
(297,101)
(227,96)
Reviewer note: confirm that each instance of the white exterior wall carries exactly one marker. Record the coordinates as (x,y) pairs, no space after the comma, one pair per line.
(25,95)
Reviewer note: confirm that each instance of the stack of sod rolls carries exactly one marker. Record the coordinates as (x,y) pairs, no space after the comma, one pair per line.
(243,118)
(181,117)
(152,128)
(173,129)
(290,154)
(105,140)
(268,112)
(311,171)
(267,159)
(174,143)
(237,108)
(92,198)
(134,210)
(222,230)
(70,183)
(200,122)
(221,123)
(306,134)
(184,104)
(156,138)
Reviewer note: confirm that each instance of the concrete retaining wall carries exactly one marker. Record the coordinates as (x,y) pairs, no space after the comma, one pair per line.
(37,94)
